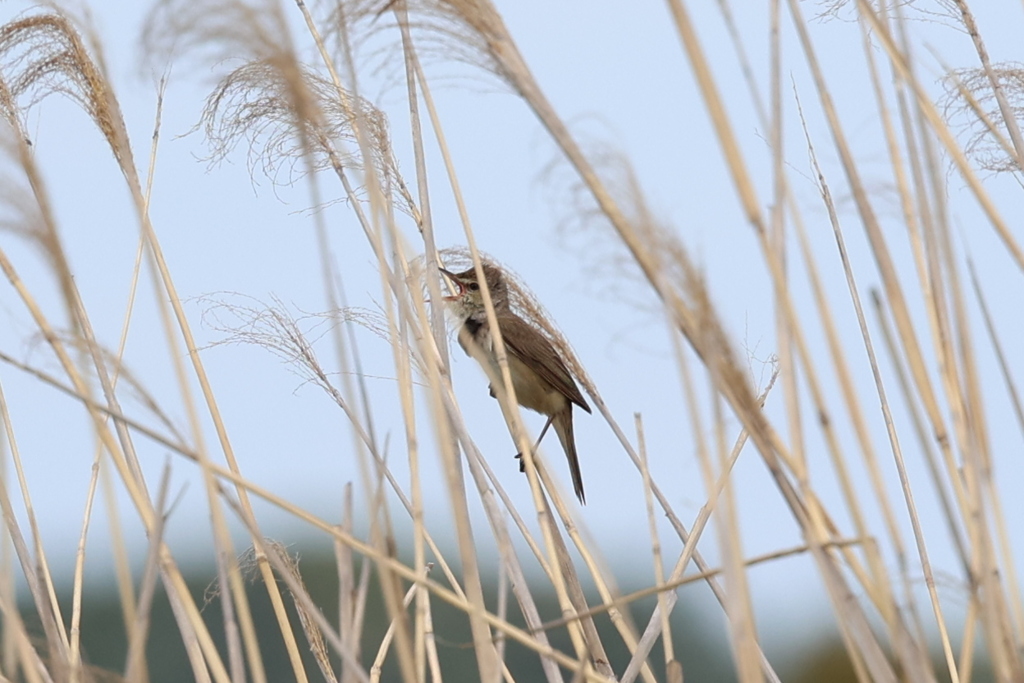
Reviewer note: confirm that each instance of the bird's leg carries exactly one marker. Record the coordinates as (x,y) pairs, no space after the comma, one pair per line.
(522,462)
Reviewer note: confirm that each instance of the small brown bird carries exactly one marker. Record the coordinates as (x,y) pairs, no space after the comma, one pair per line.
(540,378)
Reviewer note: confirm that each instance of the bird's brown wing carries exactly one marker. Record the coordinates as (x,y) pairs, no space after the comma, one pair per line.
(531,347)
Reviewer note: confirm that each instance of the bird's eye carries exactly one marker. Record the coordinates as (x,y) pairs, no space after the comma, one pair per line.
(473,286)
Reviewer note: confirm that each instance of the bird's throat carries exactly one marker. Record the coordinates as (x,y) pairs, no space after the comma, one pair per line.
(473,326)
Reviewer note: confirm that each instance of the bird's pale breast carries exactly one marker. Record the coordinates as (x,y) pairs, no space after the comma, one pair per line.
(532,390)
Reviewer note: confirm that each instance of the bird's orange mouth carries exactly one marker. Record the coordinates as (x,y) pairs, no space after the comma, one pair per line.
(460,288)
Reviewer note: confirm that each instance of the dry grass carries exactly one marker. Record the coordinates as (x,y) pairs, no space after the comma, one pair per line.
(291,93)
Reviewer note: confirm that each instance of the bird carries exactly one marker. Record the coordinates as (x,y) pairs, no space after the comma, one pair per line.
(541,380)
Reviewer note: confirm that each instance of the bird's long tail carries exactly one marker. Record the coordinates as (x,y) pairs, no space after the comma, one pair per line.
(562,423)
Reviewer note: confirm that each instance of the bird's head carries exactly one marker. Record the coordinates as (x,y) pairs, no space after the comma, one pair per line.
(468,299)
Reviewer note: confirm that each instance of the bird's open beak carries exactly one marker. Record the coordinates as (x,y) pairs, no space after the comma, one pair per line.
(460,288)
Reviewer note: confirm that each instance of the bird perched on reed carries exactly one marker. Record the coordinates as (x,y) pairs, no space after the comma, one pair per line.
(541,380)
